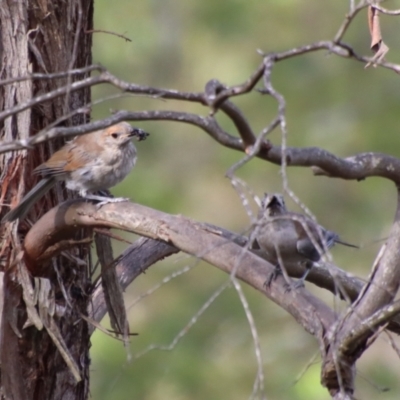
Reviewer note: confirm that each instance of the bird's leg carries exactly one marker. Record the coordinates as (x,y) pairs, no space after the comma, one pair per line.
(105,197)
(105,193)
(300,283)
(273,275)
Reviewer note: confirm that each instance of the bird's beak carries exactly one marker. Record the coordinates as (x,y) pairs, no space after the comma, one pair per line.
(138,133)
(274,201)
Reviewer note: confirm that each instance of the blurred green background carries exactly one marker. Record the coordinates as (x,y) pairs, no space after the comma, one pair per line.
(333,103)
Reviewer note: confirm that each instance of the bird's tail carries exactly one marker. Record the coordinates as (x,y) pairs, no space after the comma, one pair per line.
(29,200)
(346,244)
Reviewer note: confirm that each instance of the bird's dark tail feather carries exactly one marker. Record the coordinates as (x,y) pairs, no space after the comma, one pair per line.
(29,200)
(346,244)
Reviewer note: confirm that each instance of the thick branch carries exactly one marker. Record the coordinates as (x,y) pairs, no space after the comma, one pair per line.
(188,236)
(200,240)
(370,325)
(380,292)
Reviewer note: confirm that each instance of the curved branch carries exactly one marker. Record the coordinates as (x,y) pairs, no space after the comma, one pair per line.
(87,82)
(340,49)
(55,75)
(61,223)
(213,244)
(385,10)
(349,17)
(378,294)
(213,87)
(144,252)
(358,167)
(368,325)
(336,47)
(200,240)
(208,124)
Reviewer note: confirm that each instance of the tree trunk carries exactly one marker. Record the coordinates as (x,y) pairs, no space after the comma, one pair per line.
(41,36)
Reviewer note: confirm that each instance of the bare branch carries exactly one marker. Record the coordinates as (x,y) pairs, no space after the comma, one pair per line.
(87,82)
(55,75)
(383,10)
(379,293)
(213,87)
(369,325)
(335,47)
(190,237)
(357,167)
(63,220)
(181,334)
(349,18)
(110,33)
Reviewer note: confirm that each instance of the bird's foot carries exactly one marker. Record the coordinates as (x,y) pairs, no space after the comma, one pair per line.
(300,283)
(112,200)
(296,285)
(272,276)
(287,285)
(103,200)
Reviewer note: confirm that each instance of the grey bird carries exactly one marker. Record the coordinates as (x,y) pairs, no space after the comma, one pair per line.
(290,237)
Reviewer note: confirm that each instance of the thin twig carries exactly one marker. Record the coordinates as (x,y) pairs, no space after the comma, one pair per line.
(384,10)
(186,328)
(109,33)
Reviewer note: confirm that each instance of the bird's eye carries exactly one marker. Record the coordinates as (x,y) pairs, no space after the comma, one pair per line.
(114,135)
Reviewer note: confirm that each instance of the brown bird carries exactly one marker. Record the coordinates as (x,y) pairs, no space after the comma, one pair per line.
(291,237)
(88,163)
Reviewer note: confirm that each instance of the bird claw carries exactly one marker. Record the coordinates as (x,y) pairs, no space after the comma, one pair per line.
(272,276)
(288,286)
(111,200)
(103,200)
(293,285)
(298,284)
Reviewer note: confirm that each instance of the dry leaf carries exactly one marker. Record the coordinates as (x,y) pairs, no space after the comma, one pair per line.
(377,45)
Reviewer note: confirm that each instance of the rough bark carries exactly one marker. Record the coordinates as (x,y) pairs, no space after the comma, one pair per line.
(41,36)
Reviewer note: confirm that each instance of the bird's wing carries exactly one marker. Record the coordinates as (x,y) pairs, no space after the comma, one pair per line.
(309,234)
(50,169)
(59,163)
(307,249)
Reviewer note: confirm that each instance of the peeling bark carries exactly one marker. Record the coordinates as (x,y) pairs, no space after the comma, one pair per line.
(40,36)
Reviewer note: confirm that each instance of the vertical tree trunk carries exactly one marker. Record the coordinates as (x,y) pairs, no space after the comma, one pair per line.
(43,36)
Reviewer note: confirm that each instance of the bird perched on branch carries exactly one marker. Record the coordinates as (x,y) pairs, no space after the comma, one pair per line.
(88,163)
(289,237)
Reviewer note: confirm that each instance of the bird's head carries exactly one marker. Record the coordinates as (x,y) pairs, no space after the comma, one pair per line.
(273,204)
(120,134)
